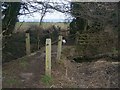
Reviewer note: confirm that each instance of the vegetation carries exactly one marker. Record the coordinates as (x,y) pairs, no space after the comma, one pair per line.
(94,15)
(11,81)
(94,18)
(16,42)
(23,63)
(46,80)
(11,11)
(10,17)
(93,48)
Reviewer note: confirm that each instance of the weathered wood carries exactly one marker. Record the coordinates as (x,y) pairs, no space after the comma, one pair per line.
(48,58)
(91,38)
(28,44)
(59,48)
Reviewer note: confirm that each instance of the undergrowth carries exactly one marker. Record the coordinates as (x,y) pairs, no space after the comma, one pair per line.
(47,80)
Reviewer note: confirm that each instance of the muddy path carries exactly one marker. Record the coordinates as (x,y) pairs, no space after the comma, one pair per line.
(27,72)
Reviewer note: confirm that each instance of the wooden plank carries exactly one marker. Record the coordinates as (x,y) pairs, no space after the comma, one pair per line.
(96,39)
(28,44)
(48,58)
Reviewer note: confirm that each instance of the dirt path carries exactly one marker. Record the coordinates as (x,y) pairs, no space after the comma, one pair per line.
(28,72)
(25,72)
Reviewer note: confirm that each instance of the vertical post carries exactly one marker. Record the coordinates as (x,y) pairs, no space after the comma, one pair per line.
(48,57)
(59,48)
(77,42)
(28,43)
(86,24)
(38,40)
(77,38)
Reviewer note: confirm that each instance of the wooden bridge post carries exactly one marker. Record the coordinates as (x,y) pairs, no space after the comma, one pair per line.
(48,58)
(59,48)
(28,44)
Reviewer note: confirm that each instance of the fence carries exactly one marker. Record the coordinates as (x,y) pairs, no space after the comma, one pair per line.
(92,38)
(48,54)
(28,44)
(93,43)
(48,51)
(85,39)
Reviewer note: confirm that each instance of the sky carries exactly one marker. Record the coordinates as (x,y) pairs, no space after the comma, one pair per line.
(52,17)
(49,17)
(55,16)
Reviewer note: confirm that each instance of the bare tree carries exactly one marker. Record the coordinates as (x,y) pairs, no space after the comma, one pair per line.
(102,11)
(11,11)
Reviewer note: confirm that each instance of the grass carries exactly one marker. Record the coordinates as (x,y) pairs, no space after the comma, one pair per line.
(47,79)
(61,62)
(23,63)
(12,81)
(114,50)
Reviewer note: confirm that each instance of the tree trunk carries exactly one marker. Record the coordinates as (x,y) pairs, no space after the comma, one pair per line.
(10,18)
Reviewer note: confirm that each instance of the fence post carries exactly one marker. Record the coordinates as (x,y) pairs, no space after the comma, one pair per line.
(48,57)
(77,38)
(59,48)
(28,44)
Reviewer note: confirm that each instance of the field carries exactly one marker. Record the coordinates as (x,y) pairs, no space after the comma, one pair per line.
(45,25)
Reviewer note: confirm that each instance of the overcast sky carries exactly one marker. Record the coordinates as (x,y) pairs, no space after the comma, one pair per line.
(48,17)
(55,16)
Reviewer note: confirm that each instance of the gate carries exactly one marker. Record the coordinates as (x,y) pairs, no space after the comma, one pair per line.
(93,43)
